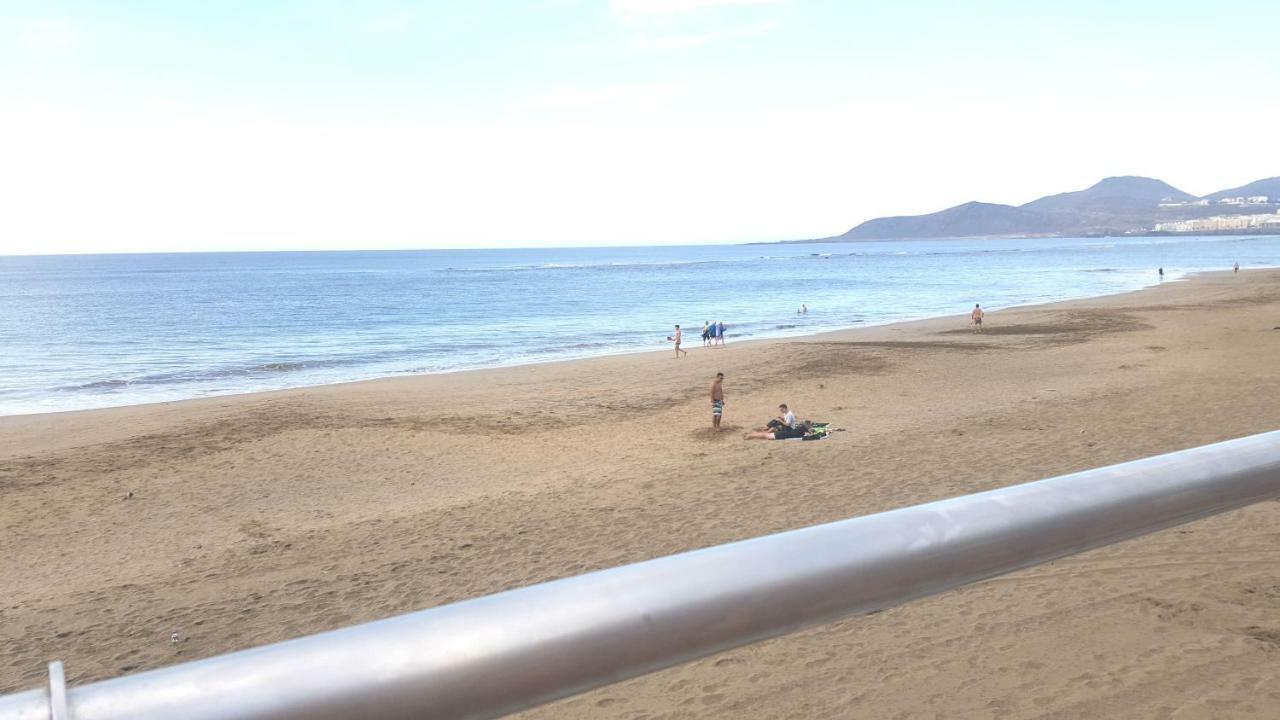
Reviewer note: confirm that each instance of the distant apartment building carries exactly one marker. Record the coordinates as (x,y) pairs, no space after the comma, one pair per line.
(1220,223)
(1257,200)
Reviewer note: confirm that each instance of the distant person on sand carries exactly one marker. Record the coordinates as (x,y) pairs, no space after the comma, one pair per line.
(720,331)
(977,316)
(1235,268)
(706,333)
(678,338)
(717,400)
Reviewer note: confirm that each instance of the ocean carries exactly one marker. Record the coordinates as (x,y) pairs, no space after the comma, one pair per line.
(88,331)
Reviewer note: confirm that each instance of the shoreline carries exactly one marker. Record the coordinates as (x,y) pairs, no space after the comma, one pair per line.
(242,520)
(1178,277)
(834,240)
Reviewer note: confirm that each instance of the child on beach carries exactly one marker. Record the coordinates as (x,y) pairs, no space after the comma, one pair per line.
(679,336)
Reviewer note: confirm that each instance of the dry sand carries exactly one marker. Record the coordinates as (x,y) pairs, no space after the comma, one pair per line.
(263,517)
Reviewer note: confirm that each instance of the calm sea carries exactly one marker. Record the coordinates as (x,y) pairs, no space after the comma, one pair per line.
(93,331)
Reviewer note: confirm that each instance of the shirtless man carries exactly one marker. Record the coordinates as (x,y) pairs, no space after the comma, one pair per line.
(717,400)
(977,316)
(679,336)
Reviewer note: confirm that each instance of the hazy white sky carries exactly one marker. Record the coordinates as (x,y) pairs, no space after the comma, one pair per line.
(313,125)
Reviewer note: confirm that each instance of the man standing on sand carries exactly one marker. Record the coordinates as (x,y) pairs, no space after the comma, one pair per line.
(706,333)
(679,336)
(717,400)
(977,315)
(1236,268)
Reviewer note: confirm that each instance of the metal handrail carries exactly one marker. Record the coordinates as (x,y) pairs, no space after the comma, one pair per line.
(502,653)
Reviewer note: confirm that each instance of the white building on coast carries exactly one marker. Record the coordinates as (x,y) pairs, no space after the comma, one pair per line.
(1219,223)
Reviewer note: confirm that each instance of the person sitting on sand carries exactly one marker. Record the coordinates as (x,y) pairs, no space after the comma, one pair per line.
(977,316)
(785,419)
(799,431)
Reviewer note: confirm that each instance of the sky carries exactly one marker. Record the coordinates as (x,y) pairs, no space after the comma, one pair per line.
(140,126)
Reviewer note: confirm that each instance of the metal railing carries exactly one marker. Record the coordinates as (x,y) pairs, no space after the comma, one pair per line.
(495,655)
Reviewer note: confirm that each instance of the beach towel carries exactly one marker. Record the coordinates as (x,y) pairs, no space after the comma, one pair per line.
(818,431)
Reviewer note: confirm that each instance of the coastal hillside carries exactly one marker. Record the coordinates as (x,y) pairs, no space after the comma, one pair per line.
(1269,187)
(1113,193)
(1113,206)
(971,218)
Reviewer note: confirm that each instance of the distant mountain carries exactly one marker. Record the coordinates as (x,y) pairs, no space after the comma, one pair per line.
(971,218)
(1113,206)
(1114,192)
(1269,187)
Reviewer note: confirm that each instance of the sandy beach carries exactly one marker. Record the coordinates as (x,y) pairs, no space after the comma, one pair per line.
(245,520)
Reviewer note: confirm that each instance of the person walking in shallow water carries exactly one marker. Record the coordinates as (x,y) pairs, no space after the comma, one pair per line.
(1161,271)
(717,400)
(977,316)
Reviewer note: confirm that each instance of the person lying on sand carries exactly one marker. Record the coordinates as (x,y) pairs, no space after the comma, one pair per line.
(799,431)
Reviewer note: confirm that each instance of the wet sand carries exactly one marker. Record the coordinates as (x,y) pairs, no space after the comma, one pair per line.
(245,520)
